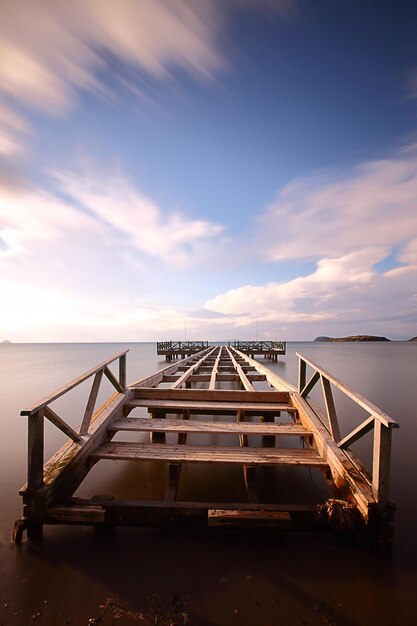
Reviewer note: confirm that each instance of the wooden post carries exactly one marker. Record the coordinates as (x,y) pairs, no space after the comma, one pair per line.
(301,374)
(122,371)
(36,504)
(381,463)
(35,451)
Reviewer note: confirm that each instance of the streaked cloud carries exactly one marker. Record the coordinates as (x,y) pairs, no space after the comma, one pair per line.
(50,49)
(167,235)
(333,213)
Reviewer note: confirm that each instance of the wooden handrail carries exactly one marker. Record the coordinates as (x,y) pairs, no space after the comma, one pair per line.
(39,411)
(73,383)
(377,420)
(354,395)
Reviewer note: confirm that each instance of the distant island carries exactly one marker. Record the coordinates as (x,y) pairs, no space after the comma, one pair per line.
(354,338)
(6,341)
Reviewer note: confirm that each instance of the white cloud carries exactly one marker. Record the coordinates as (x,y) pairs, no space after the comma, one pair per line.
(280,300)
(167,235)
(348,224)
(342,293)
(330,214)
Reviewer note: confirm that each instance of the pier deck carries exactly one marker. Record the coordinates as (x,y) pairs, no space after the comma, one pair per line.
(268,349)
(218,391)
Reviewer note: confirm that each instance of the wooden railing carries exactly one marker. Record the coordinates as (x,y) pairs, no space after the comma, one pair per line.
(258,346)
(177,346)
(377,420)
(41,410)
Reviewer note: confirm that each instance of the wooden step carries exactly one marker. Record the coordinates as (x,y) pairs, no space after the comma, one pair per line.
(171,453)
(209,395)
(146,424)
(224,408)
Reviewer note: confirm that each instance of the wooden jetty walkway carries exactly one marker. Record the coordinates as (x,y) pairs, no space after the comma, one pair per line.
(269,349)
(219,390)
(179,349)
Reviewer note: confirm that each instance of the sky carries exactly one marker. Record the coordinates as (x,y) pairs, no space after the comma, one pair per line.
(207,169)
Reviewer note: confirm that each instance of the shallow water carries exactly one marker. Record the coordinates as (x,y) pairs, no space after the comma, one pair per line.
(240,578)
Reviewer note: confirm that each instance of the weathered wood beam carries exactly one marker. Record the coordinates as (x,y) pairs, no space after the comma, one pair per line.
(381,467)
(273,379)
(309,386)
(330,408)
(357,433)
(213,376)
(59,423)
(112,378)
(89,409)
(182,379)
(243,378)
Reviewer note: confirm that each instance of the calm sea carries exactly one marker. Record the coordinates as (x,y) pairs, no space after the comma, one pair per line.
(239,578)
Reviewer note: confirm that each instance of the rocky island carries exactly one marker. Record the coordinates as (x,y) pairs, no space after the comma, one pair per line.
(353,338)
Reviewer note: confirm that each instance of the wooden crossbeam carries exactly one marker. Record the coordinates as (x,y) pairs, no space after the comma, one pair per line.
(89,409)
(61,424)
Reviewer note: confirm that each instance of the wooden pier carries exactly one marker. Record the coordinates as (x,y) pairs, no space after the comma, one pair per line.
(269,349)
(179,349)
(219,391)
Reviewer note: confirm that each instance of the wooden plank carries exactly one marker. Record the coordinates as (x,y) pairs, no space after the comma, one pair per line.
(330,408)
(73,383)
(206,395)
(354,395)
(249,519)
(59,423)
(213,376)
(345,475)
(219,407)
(145,424)
(273,379)
(163,504)
(182,379)
(91,403)
(245,382)
(171,453)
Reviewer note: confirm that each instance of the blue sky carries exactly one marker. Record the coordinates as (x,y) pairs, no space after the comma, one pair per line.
(233,164)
